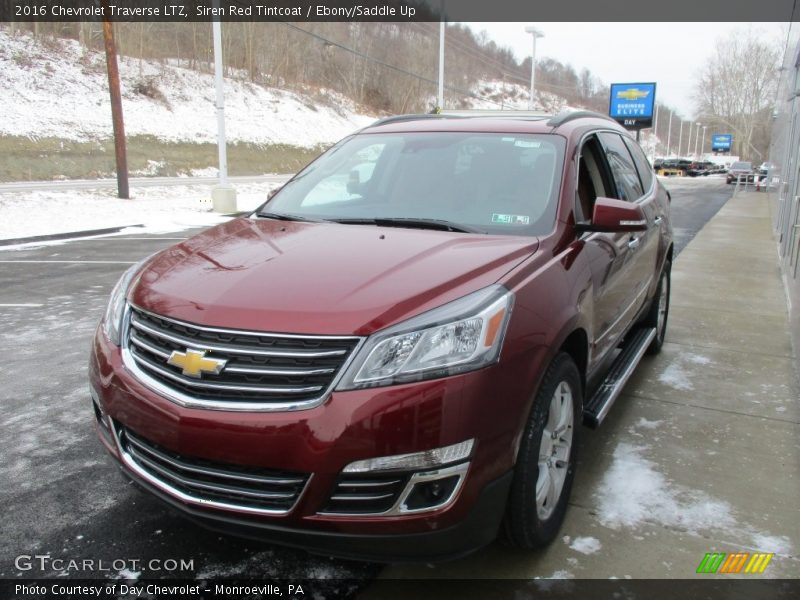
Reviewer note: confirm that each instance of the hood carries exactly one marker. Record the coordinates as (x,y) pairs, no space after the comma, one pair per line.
(319,278)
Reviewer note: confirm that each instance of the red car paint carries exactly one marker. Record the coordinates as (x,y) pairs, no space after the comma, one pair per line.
(336,279)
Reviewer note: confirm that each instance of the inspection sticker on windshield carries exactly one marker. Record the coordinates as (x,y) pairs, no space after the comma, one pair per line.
(510,219)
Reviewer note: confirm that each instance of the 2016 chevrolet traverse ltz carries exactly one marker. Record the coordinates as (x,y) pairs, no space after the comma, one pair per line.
(391,358)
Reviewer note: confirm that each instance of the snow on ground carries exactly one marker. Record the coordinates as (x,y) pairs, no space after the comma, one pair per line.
(676,377)
(586,545)
(633,493)
(60,90)
(646,424)
(497,95)
(678,374)
(159,209)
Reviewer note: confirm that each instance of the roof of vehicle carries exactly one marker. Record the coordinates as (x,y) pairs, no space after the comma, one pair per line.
(493,121)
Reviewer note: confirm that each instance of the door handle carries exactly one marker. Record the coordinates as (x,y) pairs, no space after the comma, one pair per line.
(633,243)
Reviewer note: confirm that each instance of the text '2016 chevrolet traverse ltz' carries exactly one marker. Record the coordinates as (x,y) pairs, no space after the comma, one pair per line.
(392,357)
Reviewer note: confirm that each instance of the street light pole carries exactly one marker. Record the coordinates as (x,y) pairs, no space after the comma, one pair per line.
(703,143)
(689,142)
(441,65)
(655,136)
(697,139)
(669,132)
(535,33)
(223,195)
(680,138)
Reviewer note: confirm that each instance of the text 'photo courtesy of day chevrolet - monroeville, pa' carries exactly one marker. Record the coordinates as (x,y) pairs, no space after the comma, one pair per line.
(335,299)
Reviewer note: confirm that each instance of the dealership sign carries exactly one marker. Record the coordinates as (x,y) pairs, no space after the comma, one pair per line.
(632,104)
(721,142)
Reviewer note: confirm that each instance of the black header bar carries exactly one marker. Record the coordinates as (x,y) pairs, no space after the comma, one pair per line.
(399,10)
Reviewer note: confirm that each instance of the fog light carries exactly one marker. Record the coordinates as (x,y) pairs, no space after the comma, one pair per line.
(430,494)
(428,459)
(432,490)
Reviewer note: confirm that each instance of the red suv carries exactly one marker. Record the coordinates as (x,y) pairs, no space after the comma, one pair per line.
(392,357)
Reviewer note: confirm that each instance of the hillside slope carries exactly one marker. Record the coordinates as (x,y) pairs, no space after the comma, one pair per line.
(56,89)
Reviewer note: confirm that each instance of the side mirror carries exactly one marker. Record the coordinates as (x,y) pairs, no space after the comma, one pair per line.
(613,216)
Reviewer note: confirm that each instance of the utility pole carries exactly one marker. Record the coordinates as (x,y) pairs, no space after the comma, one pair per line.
(120,151)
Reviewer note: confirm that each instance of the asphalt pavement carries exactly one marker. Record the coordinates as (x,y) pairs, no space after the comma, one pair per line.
(62,495)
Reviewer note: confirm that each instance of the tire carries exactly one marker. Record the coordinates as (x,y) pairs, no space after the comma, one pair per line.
(533,521)
(658,313)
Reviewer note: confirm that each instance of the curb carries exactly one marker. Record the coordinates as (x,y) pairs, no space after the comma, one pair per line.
(89,232)
(65,236)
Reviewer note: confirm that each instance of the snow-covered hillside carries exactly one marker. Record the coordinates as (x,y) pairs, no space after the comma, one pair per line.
(496,95)
(57,89)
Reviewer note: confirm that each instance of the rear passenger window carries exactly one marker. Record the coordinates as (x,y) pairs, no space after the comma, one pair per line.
(622,168)
(642,164)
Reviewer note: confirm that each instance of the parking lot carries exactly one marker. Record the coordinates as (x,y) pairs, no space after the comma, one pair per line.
(704,431)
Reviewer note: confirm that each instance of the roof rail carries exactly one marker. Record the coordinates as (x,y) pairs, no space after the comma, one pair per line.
(402,118)
(490,112)
(460,114)
(566,116)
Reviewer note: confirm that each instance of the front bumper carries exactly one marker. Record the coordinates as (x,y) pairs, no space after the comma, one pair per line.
(321,441)
(479,528)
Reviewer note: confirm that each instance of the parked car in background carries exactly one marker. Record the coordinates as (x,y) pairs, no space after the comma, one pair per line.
(392,357)
(701,167)
(740,170)
(681,164)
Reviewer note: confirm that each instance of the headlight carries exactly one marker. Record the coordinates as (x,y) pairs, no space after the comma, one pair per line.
(464,335)
(112,321)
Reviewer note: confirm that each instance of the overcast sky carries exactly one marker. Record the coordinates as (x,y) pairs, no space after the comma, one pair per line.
(668,53)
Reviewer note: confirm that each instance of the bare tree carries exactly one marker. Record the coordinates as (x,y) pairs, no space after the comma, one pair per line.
(736,88)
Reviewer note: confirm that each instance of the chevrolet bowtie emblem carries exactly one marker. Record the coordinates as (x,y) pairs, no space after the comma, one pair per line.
(633,94)
(194,363)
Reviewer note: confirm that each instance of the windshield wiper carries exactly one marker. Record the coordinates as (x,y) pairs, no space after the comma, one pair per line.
(411,223)
(286,217)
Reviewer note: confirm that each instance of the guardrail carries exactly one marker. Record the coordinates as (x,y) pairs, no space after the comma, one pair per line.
(757,182)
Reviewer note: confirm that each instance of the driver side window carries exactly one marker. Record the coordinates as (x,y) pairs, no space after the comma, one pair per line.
(593,179)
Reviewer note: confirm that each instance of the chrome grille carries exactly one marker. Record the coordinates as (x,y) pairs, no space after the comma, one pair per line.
(365,493)
(203,481)
(274,371)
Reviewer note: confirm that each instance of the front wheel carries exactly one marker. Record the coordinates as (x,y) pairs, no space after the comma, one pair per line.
(546,462)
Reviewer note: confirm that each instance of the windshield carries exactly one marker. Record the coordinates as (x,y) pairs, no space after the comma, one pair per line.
(742,165)
(486,182)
